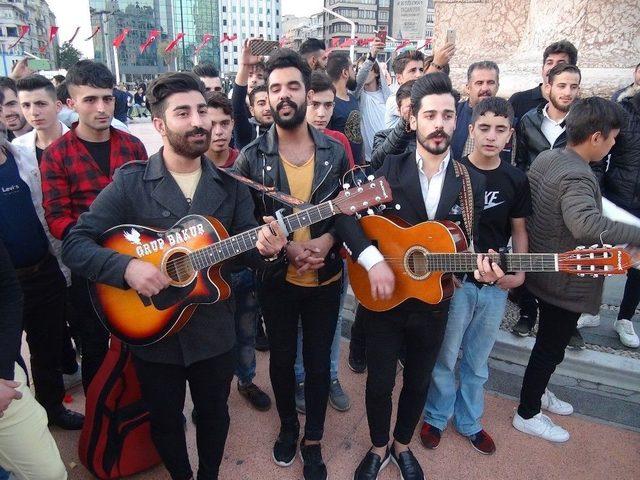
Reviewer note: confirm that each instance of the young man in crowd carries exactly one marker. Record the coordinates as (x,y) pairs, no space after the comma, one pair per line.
(296,158)
(408,65)
(26,446)
(75,168)
(178,180)
(315,53)
(477,309)
(567,211)
(427,184)
(12,116)
(210,76)
(252,121)
(625,91)
(346,117)
(558,52)
(242,279)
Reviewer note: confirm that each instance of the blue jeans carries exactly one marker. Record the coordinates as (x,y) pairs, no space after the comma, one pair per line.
(474,320)
(4,475)
(246,318)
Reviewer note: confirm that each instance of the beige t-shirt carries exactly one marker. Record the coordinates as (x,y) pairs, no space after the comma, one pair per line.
(187,182)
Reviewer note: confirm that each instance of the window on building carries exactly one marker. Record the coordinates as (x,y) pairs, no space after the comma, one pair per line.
(12,31)
(235,23)
(224,8)
(259,9)
(252,23)
(250,9)
(235,61)
(261,23)
(226,61)
(383,15)
(277,24)
(224,23)
(226,48)
(233,9)
(235,49)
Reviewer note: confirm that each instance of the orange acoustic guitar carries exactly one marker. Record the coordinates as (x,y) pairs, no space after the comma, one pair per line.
(423,258)
(191,253)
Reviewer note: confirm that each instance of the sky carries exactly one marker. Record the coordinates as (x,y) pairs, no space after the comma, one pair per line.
(80,17)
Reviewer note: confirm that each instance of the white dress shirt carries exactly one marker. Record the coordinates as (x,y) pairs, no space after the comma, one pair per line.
(550,128)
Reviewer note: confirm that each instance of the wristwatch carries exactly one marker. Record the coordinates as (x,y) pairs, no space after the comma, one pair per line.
(439,67)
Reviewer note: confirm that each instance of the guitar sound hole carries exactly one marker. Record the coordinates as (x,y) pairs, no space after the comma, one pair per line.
(415,263)
(178,267)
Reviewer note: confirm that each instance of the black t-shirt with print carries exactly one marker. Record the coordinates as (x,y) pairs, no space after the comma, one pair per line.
(346,119)
(507,195)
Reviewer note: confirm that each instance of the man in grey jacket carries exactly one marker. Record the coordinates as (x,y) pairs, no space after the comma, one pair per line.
(177,181)
(567,212)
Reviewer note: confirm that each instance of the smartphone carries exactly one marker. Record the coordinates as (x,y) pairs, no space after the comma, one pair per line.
(261,48)
(451,36)
(381,34)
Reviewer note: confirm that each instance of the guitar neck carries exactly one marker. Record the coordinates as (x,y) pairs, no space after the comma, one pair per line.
(516,262)
(245,241)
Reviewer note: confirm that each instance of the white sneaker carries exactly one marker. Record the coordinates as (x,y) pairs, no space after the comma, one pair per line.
(588,320)
(540,426)
(626,333)
(553,404)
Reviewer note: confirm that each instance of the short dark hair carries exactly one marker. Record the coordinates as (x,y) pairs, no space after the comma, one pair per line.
(166,85)
(431,84)
(320,82)
(404,91)
(287,58)
(483,65)
(206,70)
(93,74)
(637,66)
(563,68)
(311,45)
(58,78)
(496,105)
(260,66)
(337,62)
(36,82)
(62,92)
(8,83)
(256,90)
(1,97)
(590,115)
(563,46)
(401,61)
(219,100)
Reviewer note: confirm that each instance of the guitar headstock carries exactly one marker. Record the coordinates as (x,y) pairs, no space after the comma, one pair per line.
(374,192)
(595,261)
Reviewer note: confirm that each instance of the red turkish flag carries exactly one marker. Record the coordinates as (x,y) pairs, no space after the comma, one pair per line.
(52,33)
(403,44)
(224,38)
(174,43)
(120,38)
(206,38)
(347,42)
(153,34)
(73,37)
(95,31)
(24,29)
(335,42)
(232,37)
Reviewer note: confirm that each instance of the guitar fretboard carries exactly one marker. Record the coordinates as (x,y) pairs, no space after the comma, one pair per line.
(245,241)
(467,262)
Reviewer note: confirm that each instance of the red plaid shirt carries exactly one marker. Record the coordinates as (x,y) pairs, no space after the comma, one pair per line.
(71,179)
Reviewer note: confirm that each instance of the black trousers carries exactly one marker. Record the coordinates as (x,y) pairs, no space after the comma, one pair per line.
(422,331)
(528,305)
(163,389)
(94,337)
(631,297)
(317,308)
(555,328)
(357,344)
(44,322)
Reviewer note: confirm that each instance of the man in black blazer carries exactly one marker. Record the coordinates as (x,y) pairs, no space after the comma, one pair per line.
(427,186)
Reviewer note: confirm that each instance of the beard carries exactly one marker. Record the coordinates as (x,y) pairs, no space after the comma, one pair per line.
(351,84)
(435,150)
(299,114)
(563,108)
(180,142)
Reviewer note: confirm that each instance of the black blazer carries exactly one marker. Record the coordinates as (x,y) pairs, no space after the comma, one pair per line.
(401,171)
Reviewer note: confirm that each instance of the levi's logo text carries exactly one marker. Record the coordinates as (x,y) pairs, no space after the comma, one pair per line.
(170,239)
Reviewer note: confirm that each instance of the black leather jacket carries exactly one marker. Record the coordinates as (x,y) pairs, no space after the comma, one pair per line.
(392,141)
(260,161)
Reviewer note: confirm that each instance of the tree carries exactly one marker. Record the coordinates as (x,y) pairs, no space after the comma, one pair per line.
(68,56)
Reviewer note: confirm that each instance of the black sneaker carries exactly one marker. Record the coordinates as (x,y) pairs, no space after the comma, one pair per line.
(371,466)
(262,342)
(284,450)
(256,397)
(522,327)
(314,468)
(576,341)
(66,419)
(408,465)
(357,360)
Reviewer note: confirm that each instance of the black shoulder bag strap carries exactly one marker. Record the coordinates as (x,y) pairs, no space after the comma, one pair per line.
(466,200)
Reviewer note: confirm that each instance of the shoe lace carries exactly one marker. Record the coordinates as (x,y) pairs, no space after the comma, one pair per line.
(548,423)
(336,387)
(552,399)
(627,327)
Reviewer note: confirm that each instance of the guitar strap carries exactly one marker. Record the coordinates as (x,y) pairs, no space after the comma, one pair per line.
(466,200)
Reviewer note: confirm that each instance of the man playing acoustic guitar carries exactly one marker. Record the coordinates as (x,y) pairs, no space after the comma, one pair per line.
(428,185)
(176,181)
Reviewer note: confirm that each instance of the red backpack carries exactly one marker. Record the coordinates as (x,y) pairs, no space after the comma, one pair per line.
(116,438)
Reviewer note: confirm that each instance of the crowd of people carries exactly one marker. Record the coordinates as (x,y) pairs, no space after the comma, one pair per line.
(527,173)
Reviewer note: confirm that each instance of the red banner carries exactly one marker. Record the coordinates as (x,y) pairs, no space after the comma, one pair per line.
(95,31)
(335,42)
(206,38)
(24,29)
(348,42)
(73,37)
(120,38)
(53,31)
(174,43)
(403,43)
(153,34)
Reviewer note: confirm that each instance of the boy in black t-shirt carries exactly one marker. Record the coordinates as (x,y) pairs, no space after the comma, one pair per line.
(477,309)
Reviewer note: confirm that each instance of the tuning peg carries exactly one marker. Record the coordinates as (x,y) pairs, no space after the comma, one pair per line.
(580,247)
(358,182)
(606,245)
(369,211)
(346,186)
(360,190)
(398,207)
(382,207)
(371,178)
(581,275)
(594,246)
(358,216)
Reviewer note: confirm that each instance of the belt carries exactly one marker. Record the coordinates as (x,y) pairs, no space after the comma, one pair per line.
(26,272)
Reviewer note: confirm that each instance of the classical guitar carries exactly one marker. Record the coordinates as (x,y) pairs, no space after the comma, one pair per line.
(423,258)
(191,253)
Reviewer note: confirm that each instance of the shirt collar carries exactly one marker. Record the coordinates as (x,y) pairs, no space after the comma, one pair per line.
(443,165)
(546,115)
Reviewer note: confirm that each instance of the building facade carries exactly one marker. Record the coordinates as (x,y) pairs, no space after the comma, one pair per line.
(39,17)
(246,19)
(298,29)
